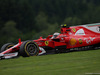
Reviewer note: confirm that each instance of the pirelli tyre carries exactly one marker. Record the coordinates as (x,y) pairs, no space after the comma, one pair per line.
(29,48)
(6,46)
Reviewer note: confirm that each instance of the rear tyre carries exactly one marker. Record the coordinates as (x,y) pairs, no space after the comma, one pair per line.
(29,48)
(6,46)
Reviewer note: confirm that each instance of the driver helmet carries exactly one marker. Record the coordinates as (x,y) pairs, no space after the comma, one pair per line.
(55,35)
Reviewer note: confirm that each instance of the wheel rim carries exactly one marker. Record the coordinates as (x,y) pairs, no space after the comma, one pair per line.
(31,48)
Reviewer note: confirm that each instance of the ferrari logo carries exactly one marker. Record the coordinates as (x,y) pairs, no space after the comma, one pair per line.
(80,41)
(74,30)
(46,43)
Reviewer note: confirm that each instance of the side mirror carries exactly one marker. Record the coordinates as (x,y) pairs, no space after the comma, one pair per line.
(40,37)
(49,36)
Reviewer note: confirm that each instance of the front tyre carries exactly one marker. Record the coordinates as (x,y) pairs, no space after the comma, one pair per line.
(29,48)
(6,46)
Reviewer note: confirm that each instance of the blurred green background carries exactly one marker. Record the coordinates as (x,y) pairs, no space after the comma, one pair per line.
(29,19)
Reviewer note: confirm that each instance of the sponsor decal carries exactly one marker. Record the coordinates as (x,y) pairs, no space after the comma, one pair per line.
(80,32)
(80,41)
(10,55)
(89,40)
(73,41)
(46,43)
(62,40)
(74,30)
(63,36)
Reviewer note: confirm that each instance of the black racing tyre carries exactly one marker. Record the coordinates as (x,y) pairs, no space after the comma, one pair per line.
(6,46)
(29,48)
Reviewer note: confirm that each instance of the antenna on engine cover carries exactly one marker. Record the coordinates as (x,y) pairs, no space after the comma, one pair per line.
(19,40)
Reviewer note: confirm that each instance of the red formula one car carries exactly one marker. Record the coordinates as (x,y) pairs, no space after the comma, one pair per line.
(82,37)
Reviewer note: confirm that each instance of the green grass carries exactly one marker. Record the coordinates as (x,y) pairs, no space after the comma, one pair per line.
(73,63)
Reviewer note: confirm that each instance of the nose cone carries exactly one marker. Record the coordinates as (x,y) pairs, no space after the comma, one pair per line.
(1,55)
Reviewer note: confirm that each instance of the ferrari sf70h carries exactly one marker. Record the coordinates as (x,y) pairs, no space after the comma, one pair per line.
(82,37)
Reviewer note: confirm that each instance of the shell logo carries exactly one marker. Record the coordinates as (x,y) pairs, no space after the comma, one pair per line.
(73,41)
(46,43)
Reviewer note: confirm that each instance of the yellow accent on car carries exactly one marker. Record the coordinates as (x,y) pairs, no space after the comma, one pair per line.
(9,46)
(26,47)
(65,25)
(46,43)
(74,30)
